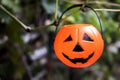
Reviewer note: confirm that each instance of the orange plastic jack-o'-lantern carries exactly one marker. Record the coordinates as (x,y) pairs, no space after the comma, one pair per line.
(78,45)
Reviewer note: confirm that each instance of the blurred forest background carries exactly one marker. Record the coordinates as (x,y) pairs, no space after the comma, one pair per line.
(30,55)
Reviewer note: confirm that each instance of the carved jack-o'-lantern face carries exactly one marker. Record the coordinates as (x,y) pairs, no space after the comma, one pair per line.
(78,45)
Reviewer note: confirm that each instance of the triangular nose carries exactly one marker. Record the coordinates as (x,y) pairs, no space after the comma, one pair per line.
(78,48)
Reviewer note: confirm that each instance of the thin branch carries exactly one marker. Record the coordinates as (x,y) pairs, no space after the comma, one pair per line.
(56,11)
(105,3)
(28,71)
(64,19)
(39,75)
(24,61)
(28,29)
(14,18)
(85,2)
(111,10)
(93,2)
(43,27)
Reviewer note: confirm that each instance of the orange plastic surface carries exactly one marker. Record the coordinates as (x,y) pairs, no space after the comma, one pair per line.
(78,45)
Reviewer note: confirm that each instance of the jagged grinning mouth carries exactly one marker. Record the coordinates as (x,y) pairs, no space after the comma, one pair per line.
(82,60)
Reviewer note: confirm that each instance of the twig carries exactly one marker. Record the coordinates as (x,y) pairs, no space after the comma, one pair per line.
(24,61)
(42,27)
(63,20)
(105,3)
(112,10)
(26,66)
(39,75)
(28,29)
(16,19)
(56,11)
(93,2)
(85,2)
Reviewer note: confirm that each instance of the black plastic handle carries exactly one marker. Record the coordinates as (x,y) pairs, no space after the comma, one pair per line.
(75,6)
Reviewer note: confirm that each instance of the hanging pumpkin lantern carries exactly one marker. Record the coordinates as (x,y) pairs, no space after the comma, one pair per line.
(78,45)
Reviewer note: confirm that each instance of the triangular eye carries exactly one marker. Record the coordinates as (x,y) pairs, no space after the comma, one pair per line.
(69,38)
(87,38)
